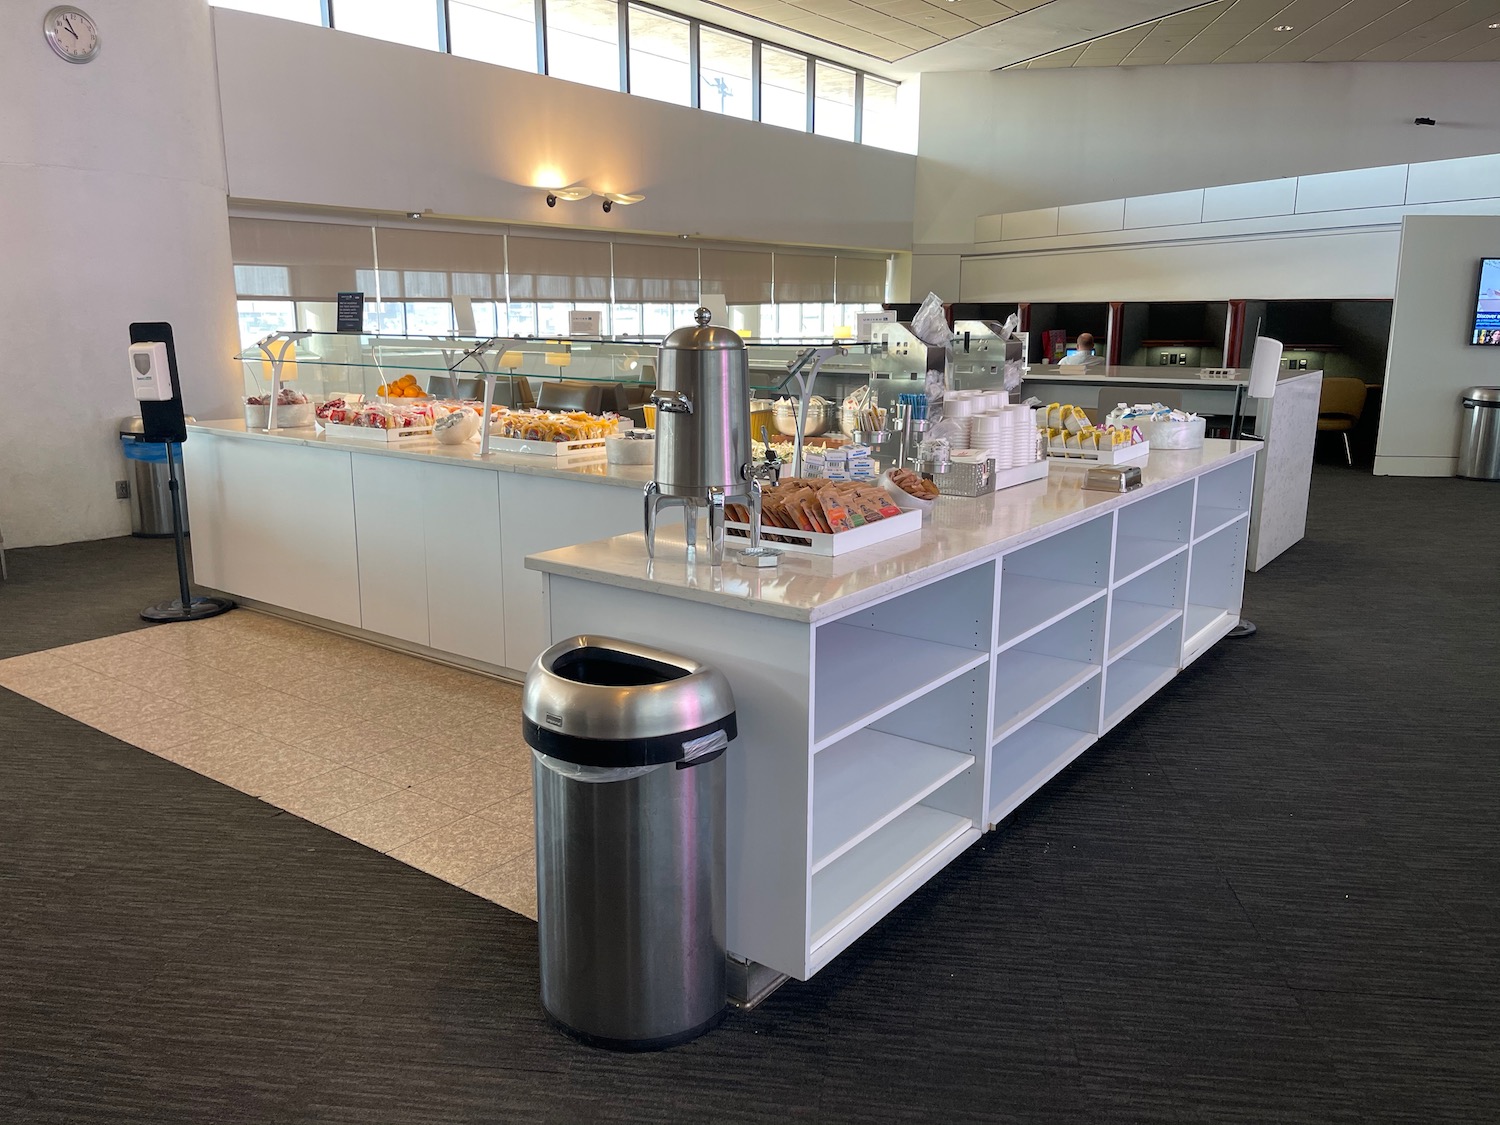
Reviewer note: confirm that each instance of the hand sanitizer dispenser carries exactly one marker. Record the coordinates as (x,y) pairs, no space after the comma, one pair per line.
(150,375)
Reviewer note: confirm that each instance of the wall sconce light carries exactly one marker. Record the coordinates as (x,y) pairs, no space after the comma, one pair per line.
(571,194)
(613,197)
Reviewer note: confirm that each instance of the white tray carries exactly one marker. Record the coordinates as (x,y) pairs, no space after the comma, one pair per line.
(841,543)
(1022,474)
(589,446)
(374,435)
(1122,456)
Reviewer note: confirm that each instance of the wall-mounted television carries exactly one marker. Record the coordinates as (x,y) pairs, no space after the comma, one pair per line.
(1487,305)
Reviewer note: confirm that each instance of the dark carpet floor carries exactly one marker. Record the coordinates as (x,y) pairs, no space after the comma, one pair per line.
(1268,897)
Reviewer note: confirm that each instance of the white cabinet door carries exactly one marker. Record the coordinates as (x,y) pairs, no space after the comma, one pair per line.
(275,522)
(389,522)
(465,587)
(541,514)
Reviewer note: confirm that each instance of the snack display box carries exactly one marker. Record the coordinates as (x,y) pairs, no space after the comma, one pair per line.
(1122,455)
(375,435)
(819,543)
(585,447)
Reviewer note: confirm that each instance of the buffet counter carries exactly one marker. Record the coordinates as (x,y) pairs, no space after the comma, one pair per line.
(895,703)
(421,546)
(1287,423)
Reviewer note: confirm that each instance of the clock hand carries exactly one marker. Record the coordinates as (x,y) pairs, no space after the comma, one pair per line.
(68,23)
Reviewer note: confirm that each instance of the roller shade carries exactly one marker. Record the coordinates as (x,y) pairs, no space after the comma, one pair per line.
(320,258)
(742,276)
(804,277)
(655,273)
(860,281)
(558,269)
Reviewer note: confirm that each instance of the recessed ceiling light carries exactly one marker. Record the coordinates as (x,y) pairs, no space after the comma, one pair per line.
(1493,26)
(1282,27)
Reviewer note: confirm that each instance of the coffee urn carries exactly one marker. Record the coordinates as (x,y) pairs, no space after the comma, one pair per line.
(703,457)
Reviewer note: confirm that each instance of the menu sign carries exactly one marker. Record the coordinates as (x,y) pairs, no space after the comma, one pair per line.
(351,312)
(583,323)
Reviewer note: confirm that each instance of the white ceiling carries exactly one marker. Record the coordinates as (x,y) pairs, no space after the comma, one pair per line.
(906,37)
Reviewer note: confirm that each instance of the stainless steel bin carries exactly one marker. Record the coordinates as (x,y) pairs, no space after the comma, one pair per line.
(1479,441)
(150,498)
(628,757)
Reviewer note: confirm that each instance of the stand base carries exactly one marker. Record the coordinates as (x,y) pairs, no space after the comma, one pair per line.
(196,610)
(1243,629)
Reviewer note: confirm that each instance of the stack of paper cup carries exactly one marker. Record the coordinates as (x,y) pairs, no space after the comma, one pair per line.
(958,406)
(987,436)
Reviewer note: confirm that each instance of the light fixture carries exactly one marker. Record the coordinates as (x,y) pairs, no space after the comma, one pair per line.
(1493,26)
(1283,27)
(571,194)
(415,214)
(1423,121)
(613,197)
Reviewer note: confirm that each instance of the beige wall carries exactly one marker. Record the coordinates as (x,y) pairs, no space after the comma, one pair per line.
(1430,360)
(111,211)
(351,122)
(993,142)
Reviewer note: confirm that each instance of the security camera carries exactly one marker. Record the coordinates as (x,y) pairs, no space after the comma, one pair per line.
(608,205)
(551,200)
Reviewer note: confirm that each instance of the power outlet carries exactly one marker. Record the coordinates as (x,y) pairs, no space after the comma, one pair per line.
(122,490)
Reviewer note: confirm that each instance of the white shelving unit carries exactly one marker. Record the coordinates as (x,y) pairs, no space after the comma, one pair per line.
(881,743)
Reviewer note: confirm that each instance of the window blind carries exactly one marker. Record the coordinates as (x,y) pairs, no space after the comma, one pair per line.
(558,269)
(804,277)
(656,273)
(860,281)
(742,276)
(320,258)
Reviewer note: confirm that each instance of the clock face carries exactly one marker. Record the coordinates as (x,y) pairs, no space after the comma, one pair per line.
(71,33)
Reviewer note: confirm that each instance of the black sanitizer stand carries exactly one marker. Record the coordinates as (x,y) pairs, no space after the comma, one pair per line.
(163,422)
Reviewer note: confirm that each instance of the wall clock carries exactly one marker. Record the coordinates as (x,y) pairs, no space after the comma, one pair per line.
(72,33)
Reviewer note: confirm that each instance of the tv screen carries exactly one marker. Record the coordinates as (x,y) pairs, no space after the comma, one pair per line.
(1487,309)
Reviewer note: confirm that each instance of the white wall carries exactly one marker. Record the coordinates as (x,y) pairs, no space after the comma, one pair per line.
(1430,360)
(112,210)
(350,122)
(994,142)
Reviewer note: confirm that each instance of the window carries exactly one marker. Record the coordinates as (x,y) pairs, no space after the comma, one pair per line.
(494,31)
(627,320)
(783,88)
(583,42)
(429,318)
(387,284)
(522,319)
(833,107)
(659,56)
(413,22)
(263,281)
(258,319)
(878,125)
(387,318)
(304,11)
(724,73)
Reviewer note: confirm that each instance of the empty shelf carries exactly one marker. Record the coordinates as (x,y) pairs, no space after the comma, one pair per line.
(1026,760)
(858,667)
(1209,520)
(1128,684)
(1134,555)
(867,780)
(1027,683)
(1205,624)
(1028,604)
(856,880)
(1130,623)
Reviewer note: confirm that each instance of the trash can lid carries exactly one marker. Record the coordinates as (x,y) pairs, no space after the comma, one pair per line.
(601,701)
(1482,394)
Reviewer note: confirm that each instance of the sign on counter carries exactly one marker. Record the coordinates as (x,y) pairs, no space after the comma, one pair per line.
(351,312)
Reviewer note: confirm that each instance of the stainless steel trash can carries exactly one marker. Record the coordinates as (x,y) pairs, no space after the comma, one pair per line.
(628,757)
(1479,441)
(146,473)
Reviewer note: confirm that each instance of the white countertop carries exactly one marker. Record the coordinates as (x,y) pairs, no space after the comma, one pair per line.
(466,453)
(958,533)
(1149,376)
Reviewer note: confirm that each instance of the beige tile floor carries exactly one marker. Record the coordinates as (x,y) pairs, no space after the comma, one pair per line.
(414,759)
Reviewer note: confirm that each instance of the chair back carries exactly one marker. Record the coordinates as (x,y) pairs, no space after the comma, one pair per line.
(1342,396)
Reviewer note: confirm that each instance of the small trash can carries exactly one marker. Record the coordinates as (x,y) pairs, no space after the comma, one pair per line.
(146,474)
(628,757)
(1479,440)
